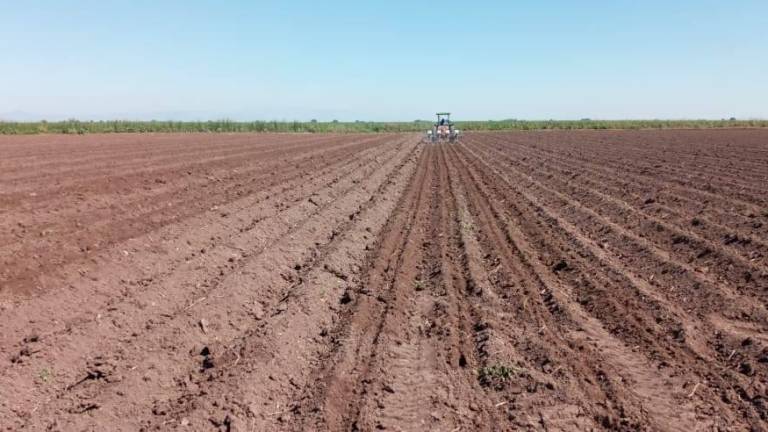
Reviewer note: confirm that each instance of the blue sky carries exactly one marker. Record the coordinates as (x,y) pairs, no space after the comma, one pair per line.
(386,60)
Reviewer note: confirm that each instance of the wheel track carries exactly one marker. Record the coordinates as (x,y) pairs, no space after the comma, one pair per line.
(509,320)
(338,397)
(405,359)
(355,364)
(470,313)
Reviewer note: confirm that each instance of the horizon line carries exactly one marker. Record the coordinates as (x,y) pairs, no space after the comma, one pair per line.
(522,120)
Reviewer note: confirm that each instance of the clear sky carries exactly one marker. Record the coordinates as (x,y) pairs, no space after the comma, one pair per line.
(383,60)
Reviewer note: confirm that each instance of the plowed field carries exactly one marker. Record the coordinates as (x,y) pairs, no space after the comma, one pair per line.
(582,280)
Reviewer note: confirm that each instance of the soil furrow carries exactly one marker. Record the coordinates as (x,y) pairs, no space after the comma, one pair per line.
(164,209)
(643,194)
(680,186)
(122,158)
(539,281)
(324,285)
(741,241)
(660,247)
(607,311)
(557,322)
(341,390)
(233,275)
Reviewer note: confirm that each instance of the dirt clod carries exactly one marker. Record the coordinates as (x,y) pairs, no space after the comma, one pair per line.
(346,297)
(204,325)
(208,363)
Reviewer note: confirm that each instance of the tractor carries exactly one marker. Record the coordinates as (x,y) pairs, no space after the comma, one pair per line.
(443,130)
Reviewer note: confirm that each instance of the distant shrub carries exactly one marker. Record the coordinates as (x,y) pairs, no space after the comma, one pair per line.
(358,126)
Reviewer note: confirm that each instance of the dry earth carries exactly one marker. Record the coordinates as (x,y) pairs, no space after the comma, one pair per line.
(547,281)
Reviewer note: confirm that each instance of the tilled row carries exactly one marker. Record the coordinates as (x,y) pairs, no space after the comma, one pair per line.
(95,155)
(139,303)
(183,170)
(728,351)
(649,196)
(720,196)
(39,240)
(260,372)
(507,282)
(644,200)
(226,232)
(733,155)
(404,353)
(561,376)
(702,257)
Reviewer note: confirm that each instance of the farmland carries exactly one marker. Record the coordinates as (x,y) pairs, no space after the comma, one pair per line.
(541,280)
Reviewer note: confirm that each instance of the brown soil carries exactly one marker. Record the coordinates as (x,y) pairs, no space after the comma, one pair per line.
(586,280)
